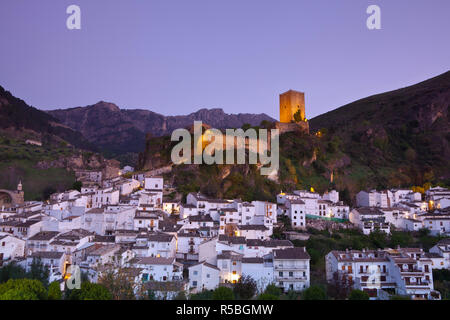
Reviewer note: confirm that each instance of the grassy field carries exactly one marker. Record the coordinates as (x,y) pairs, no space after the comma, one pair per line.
(17,162)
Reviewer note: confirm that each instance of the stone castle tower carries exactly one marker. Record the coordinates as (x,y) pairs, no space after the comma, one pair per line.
(291,102)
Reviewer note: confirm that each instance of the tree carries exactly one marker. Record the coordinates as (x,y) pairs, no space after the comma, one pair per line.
(267,296)
(151,295)
(38,271)
(298,116)
(358,295)
(204,295)
(181,295)
(119,283)
(340,286)
(402,239)
(223,293)
(266,124)
(378,238)
(12,271)
(314,293)
(77,185)
(54,291)
(424,232)
(273,290)
(397,297)
(48,191)
(91,291)
(23,289)
(245,288)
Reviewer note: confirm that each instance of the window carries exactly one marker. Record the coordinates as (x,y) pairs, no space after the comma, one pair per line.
(291,274)
(195,273)
(194,283)
(208,275)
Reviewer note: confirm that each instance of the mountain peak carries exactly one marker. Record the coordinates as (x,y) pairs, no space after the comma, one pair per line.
(106,105)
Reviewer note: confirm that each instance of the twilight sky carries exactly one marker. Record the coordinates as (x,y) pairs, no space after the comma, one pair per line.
(176,56)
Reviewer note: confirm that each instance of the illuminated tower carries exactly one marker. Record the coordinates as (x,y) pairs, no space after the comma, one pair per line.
(291,102)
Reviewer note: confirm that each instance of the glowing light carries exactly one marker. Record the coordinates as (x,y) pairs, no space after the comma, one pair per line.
(234,277)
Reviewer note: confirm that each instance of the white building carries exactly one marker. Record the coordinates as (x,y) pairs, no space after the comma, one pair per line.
(442,248)
(203,276)
(291,269)
(106,196)
(260,269)
(437,222)
(155,244)
(369,219)
(381,273)
(160,269)
(296,210)
(373,199)
(11,247)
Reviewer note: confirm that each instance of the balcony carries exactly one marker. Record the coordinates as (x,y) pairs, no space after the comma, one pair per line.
(290,267)
(293,278)
(412,270)
(424,284)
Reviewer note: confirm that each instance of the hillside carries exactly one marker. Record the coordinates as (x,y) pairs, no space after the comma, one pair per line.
(16,117)
(46,165)
(117,131)
(397,139)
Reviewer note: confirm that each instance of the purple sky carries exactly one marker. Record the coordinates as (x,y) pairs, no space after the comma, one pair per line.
(176,56)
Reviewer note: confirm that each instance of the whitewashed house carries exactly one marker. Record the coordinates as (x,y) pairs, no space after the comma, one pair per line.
(104,197)
(437,222)
(203,276)
(160,269)
(40,241)
(442,248)
(11,247)
(188,244)
(187,210)
(230,265)
(256,231)
(381,273)
(291,268)
(296,211)
(369,219)
(259,269)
